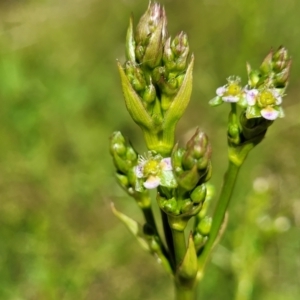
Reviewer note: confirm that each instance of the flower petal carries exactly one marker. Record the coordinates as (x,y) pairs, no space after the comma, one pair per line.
(166,164)
(139,171)
(269,113)
(220,91)
(251,96)
(230,98)
(152,182)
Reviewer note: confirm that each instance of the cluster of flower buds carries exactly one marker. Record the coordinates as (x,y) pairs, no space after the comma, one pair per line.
(125,159)
(156,78)
(262,96)
(191,168)
(203,222)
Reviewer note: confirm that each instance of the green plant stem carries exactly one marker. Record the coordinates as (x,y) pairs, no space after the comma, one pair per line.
(185,293)
(226,193)
(179,245)
(149,217)
(169,238)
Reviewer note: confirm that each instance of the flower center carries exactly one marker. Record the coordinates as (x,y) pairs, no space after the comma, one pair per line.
(265,98)
(151,167)
(233,89)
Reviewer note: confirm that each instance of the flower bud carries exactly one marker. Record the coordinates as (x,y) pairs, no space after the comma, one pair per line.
(204,225)
(124,156)
(150,36)
(192,165)
(199,193)
(135,76)
(176,53)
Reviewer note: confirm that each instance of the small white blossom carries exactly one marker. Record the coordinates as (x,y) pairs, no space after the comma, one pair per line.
(153,170)
(232,91)
(265,103)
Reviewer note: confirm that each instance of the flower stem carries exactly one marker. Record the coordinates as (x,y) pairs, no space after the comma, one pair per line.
(226,193)
(179,245)
(149,217)
(185,293)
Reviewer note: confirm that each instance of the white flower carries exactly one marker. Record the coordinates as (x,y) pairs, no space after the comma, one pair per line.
(153,170)
(232,91)
(265,102)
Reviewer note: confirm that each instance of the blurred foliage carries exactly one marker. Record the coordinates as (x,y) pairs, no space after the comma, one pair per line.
(60,99)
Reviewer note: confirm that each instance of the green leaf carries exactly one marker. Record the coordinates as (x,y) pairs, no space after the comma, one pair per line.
(134,227)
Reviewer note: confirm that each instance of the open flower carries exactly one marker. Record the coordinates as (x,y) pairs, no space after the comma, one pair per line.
(264,103)
(154,170)
(232,92)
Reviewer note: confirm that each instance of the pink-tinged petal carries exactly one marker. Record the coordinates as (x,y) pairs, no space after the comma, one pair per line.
(138,170)
(220,91)
(166,164)
(231,99)
(269,113)
(152,182)
(251,96)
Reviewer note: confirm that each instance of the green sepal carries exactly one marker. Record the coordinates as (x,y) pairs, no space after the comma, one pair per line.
(167,179)
(253,112)
(189,266)
(133,102)
(216,101)
(134,227)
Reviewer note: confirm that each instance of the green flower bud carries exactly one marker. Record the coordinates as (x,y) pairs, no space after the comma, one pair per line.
(266,66)
(135,76)
(280,59)
(198,194)
(149,95)
(124,156)
(150,36)
(186,206)
(204,225)
(176,53)
(192,165)
(281,79)
(199,240)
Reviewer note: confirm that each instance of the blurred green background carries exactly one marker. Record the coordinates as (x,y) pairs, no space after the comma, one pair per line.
(60,99)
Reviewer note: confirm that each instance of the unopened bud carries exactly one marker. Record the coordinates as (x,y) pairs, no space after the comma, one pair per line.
(151,34)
